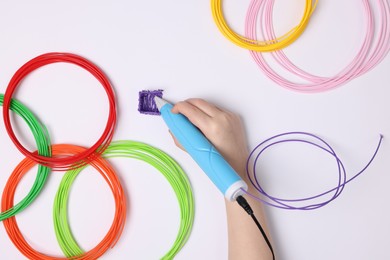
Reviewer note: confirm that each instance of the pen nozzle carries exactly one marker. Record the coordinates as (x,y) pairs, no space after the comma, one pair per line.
(159,102)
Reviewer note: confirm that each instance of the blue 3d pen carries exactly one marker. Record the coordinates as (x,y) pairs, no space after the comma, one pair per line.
(203,152)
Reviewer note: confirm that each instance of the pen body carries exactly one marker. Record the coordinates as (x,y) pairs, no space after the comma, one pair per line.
(204,153)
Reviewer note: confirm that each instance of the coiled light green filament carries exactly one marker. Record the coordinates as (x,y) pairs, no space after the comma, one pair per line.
(43,143)
(151,155)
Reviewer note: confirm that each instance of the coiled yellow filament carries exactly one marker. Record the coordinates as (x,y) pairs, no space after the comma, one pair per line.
(261,46)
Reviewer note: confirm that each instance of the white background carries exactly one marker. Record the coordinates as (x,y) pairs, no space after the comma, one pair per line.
(175,45)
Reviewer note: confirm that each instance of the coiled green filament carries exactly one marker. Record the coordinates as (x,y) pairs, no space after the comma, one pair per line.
(43,143)
(149,154)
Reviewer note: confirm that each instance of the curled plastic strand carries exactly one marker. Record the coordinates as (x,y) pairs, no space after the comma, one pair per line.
(43,143)
(373,50)
(274,43)
(76,160)
(174,174)
(284,203)
(156,158)
(127,149)
(112,180)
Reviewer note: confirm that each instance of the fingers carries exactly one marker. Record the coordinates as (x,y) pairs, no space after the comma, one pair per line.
(205,106)
(197,116)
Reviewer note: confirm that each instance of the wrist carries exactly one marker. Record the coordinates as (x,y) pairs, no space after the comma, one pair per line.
(238,163)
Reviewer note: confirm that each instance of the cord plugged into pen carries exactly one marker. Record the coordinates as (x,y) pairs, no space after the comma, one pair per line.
(245,205)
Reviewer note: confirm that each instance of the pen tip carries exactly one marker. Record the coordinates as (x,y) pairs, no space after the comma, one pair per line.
(159,102)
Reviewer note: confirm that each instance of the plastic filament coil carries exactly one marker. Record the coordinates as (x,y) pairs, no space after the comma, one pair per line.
(311,202)
(76,160)
(253,44)
(128,149)
(103,167)
(43,143)
(174,174)
(375,46)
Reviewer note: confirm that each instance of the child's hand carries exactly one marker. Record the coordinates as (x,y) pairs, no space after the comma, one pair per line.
(222,128)
(226,132)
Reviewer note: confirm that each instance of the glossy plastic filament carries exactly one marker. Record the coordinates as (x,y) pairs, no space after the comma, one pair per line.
(153,156)
(375,47)
(43,143)
(76,160)
(110,177)
(253,44)
(312,201)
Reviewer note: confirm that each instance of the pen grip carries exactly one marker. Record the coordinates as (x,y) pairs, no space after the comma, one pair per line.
(202,151)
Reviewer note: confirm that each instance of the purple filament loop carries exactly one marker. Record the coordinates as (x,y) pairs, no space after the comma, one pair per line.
(286,203)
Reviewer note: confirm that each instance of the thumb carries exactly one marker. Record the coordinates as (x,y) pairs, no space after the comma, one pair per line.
(176,141)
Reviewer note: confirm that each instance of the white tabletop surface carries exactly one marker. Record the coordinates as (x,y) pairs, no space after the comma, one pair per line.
(175,46)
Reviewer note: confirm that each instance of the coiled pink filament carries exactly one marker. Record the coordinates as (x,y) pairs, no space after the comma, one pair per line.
(371,53)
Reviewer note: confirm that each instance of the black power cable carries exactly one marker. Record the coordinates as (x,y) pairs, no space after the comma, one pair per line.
(245,205)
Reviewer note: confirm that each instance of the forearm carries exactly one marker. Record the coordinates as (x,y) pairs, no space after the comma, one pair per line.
(244,238)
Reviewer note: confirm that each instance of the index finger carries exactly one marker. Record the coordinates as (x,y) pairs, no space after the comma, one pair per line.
(199,118)
(205,106)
